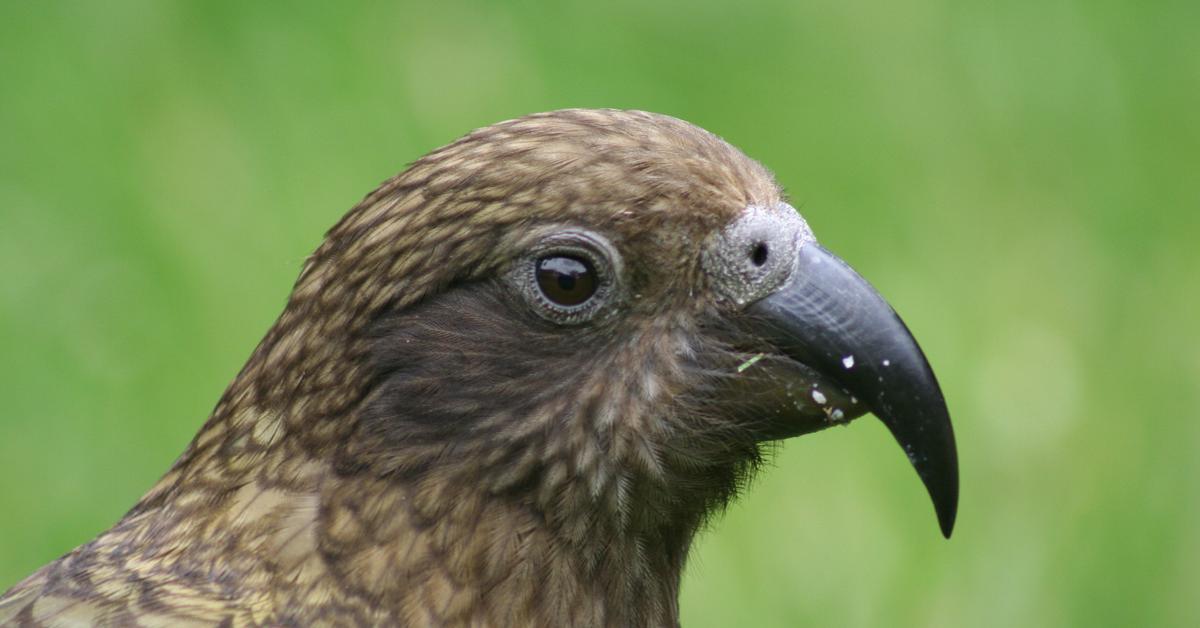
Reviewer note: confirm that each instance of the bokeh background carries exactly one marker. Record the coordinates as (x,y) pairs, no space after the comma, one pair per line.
(1020,179)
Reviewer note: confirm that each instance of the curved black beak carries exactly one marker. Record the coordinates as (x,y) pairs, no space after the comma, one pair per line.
(829,318)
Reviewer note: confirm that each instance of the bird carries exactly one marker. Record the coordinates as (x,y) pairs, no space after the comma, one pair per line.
(508,388)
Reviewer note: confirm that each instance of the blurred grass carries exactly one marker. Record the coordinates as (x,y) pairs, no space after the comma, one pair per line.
(1019,179)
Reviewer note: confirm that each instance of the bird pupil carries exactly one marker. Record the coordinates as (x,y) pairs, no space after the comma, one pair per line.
(566,280)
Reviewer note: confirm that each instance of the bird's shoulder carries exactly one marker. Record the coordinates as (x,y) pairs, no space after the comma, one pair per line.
(58,597)
(159,567)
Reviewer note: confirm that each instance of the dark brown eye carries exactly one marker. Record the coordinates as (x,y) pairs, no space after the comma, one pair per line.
(566,280)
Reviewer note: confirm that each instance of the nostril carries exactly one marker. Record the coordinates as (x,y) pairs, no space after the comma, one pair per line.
(759,254)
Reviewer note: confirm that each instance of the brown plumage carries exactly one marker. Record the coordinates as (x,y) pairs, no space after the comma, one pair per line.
(422,438)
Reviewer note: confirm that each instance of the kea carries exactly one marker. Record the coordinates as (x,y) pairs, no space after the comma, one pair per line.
(507,389)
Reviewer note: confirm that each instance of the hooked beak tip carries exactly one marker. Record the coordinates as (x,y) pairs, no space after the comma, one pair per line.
(826,312)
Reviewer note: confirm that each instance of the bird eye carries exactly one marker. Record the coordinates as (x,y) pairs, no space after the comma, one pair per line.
(569,276)
(565,280)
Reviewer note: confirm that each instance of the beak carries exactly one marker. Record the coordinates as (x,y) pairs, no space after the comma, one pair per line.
(828,318)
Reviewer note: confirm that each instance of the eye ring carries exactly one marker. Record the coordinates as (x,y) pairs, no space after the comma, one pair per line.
(588,267)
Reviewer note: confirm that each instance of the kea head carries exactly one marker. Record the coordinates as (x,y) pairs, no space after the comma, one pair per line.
(563,338)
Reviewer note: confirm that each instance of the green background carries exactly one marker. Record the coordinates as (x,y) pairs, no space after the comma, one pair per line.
(1018,178)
